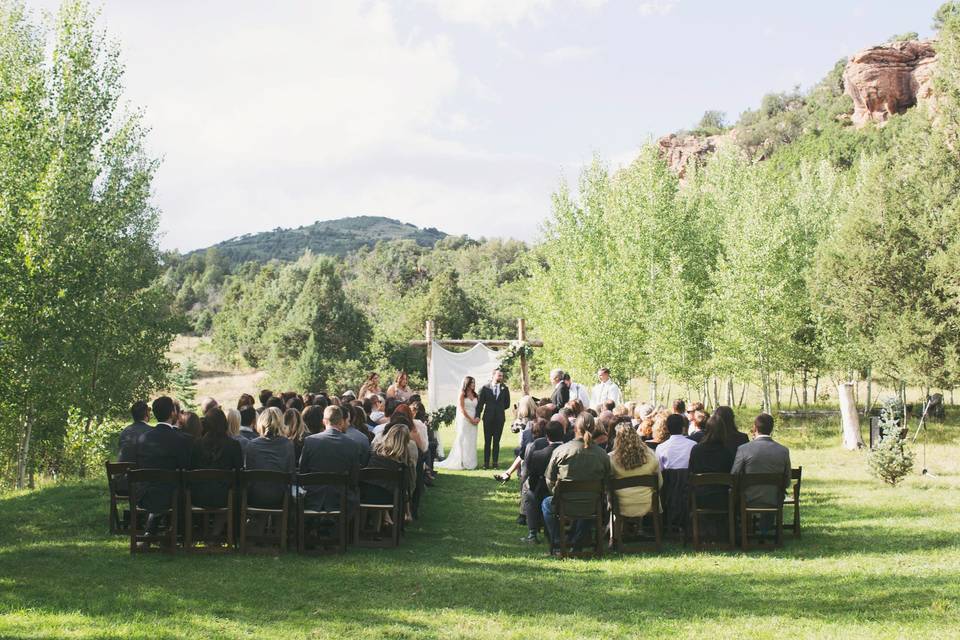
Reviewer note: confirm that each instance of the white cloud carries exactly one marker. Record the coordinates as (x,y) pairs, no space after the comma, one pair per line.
(569,53)
(657,7)
(490,13)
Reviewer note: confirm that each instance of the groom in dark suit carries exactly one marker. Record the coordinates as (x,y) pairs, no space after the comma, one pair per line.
(492,404)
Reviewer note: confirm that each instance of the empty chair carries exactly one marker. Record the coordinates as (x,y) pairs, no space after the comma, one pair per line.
(119,492)
(794,501)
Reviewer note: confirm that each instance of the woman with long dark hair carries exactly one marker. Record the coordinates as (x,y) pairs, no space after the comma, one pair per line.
(214,449)
(463,454)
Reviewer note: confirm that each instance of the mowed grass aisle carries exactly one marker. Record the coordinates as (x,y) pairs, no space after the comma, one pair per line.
(873,562)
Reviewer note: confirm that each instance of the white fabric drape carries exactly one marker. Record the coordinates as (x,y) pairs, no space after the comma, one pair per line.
(448,369)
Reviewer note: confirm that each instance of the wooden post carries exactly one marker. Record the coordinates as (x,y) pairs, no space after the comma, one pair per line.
(428,334)
(524,371)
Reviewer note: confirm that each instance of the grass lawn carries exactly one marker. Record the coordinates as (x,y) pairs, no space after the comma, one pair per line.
(874,562)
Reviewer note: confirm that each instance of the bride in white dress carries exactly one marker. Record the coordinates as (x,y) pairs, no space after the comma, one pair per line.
(463,453)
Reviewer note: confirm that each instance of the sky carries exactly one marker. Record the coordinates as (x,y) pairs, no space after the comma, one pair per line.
(463,115)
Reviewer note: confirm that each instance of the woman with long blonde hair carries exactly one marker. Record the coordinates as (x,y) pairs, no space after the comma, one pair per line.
(631,457)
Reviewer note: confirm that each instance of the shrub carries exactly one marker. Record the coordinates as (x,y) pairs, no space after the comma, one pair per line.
(891,460)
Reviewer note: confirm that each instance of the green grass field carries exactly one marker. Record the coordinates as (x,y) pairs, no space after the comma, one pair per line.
(874,562)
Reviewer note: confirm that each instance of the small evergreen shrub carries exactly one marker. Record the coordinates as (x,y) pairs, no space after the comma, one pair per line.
(891,460)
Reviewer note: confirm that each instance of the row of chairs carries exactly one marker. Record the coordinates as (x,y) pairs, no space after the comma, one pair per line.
(123,481)
(736,510)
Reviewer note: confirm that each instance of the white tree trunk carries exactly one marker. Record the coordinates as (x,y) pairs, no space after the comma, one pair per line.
(849,418)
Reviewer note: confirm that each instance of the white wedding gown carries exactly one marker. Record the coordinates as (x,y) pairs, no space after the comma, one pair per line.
(463,453)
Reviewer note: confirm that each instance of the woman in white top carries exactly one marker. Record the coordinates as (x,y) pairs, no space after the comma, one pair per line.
(400,389)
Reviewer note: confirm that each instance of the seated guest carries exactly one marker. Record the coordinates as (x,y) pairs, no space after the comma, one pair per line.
(265,396)
(277,402)
(389,406)
(697,426)
(189,424)
(659,432)
(162,447)
(580,460)
(390,452)
(331,451)
(691,410)
(206,404)
(248,421)
(294,431)
(233,425)
(640,413)
(313,419)
(713,455)
(269,452)
(246,400)
(357,431)
(371,386)
(532,481)
(630,458)
(679,406)
(675,452)
(140,413)
(735,438)
(763,455)
(400,389)
(215,449)
(419,431)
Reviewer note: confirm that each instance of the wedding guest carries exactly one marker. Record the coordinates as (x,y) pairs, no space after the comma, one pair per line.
(271,451)
(371,386)
(207,403)
(679,406)
(140,412)
(162,447)
(233,426)
(561,393)
(698,426)
(246,400)
(674,453)
(632,458)
(713,455)
(313,419)
(357,431)
(736,438)
(763,455)
(294,430)
(534,485)
(580,460)
(660,433)
(576,390)
(400,388)
(215,449)
(331,451)
(641,413)
(691,411)
(606,390)
(189,424)
(248,421)
(390,452)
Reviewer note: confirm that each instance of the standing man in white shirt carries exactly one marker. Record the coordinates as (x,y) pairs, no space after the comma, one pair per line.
(577,390)
(607,389)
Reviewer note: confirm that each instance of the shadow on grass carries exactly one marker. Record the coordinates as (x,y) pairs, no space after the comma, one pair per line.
(464,555)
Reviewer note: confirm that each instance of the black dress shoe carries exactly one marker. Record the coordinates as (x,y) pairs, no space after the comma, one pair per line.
(530,539)
(522,519)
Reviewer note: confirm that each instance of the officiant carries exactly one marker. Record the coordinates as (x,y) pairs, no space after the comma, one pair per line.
(492,406)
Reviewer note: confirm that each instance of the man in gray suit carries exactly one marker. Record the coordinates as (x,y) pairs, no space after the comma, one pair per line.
(330,451)
(763,455)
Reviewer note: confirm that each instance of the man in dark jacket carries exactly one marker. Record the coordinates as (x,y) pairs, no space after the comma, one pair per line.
(331,451)
(140,413)
(162,447)
(492,404)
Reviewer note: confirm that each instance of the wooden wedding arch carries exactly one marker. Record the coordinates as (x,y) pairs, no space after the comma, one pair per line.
(521,338)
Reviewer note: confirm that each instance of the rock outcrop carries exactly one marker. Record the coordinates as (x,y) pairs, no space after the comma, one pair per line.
(680,150)
(889,79)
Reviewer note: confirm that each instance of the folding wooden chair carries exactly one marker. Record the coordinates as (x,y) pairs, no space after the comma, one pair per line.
(305,537)
(276,520)
(140,540)
(696,511)
(595,513)
(205,514)
(119,492)
(747,513)
(617,520)
(794,501)
(380,477)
